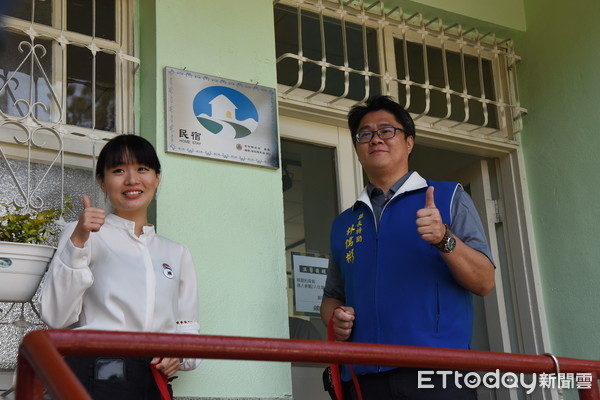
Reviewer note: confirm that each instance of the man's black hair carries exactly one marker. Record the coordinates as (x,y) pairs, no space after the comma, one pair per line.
(377,103)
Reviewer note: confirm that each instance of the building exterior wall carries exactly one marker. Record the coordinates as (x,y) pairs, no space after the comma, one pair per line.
(509,14)
(503,16)
(229,215)
(559,84)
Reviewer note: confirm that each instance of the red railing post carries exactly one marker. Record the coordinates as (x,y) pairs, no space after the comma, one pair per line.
(43,358)
(592,393)
(29,386)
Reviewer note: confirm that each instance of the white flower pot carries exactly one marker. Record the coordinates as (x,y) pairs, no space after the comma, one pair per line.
(22,266)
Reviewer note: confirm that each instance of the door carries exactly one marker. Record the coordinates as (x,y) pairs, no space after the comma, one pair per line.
(318,180)
(491,324)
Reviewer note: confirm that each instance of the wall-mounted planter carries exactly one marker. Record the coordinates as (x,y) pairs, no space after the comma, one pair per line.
(22,266)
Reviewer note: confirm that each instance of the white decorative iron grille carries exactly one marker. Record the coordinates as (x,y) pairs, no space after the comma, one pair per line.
(334,54)
(66,81)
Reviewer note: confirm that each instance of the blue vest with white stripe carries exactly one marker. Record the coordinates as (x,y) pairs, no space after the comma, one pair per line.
(401,289)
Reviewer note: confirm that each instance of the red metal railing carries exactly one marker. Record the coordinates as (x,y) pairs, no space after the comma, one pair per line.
(40,363)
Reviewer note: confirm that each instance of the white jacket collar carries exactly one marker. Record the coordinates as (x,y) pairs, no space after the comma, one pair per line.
(414,182)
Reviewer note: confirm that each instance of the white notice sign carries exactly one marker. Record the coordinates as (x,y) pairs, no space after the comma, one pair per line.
(310,274)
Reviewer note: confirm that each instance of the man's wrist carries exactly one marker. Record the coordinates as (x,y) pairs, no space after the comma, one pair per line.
(448,242)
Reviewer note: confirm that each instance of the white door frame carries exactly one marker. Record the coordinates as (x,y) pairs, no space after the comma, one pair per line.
(512,209)
(519,261)
(348,169)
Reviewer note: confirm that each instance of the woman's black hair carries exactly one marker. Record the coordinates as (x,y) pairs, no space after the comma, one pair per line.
(126,149)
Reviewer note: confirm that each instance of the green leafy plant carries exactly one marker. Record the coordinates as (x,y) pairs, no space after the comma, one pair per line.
(18,225)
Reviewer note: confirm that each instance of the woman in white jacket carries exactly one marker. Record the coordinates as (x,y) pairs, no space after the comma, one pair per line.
(113,272)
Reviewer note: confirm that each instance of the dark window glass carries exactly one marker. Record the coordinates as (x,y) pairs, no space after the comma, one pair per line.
(80,101)
(438,103)
(24,9)
(310,201)
(80,18)
(105,19)
(79,86)
(105,91)
(288,69)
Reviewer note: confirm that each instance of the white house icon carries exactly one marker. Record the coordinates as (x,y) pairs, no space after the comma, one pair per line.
(222,107)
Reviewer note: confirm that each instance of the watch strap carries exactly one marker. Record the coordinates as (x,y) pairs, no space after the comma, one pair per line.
(442,244)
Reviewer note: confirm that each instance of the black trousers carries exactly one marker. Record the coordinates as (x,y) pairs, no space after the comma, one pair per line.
(403,384)
(116,378)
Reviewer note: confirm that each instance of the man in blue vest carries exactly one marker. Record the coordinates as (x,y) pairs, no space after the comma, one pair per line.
(406,259)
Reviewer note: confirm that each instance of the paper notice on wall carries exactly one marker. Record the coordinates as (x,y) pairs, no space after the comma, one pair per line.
(310,273)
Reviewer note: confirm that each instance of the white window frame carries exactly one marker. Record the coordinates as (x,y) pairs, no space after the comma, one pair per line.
(76,145)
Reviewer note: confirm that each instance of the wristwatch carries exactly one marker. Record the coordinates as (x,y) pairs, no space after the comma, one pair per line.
(448,242)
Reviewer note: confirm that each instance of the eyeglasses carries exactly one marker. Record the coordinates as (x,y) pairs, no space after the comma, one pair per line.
(385,133)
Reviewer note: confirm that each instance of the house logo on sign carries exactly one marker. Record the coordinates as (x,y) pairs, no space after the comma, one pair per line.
(225,112)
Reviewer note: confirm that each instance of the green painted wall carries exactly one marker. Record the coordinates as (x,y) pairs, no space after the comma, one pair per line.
(507,13)
(560,87)
(499,16)
(229,215)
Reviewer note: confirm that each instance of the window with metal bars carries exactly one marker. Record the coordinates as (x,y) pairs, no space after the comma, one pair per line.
(426,71)
(315,56)
(335,53)
(66,85)
(66,62)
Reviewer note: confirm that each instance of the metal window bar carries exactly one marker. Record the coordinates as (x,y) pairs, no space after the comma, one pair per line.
(323,62)
(346,65)
(367,73)
(446,89)
(41,364)
(500,54)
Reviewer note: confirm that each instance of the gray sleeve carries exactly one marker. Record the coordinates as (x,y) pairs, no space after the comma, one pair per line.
(334,285)
(467,225)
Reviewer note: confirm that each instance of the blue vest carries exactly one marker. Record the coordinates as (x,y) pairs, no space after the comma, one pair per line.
(399,285)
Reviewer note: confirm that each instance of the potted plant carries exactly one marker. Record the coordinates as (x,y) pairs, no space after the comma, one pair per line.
(23,255)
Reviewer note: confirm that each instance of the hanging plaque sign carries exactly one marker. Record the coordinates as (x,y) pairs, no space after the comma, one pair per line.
(219,118)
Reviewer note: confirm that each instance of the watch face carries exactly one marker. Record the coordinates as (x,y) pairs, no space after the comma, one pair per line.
(450,244)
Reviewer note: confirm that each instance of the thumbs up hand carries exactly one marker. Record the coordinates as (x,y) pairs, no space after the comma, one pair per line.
(90,220)
(429,221)
(429,202)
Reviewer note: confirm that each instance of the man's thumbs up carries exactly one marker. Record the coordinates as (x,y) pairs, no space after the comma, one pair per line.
(429,220)
(429,203)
